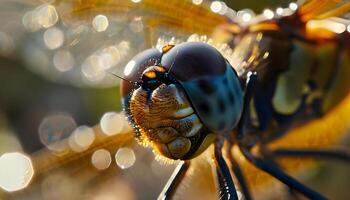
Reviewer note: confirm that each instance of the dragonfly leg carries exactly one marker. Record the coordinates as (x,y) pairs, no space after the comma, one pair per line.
(265,153)
(238,174)
(174,181)
(224,178)
(336,154)
(280,175)
(250,87)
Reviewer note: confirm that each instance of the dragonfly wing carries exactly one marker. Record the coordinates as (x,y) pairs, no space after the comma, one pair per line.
(322,9)
(177,16)
(80,42)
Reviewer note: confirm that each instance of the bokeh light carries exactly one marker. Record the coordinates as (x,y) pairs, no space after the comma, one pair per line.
(54,128)
(109,56)
(125,157)
(279,11)
(30,21)
(47,16)
(43,16)
(268,13)
(136,1)
(53,38)
(112,123)
(63,60)
(197,2)
(245,15)
(79,47)
(101,159)
(100,23)
(216,6)
(93,68)
(219,7)
(81,138)
(16,171)
(293,6)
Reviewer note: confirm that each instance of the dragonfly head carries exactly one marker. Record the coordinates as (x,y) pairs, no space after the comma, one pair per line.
(184,99)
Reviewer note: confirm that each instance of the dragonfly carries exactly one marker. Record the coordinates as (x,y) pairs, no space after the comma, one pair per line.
(294,103)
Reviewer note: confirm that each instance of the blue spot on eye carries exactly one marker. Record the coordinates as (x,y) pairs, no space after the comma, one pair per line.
(231,98)
(222,106)
(206,87)
(225,81)
(204,107)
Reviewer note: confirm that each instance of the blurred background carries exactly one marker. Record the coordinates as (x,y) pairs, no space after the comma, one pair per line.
(60,106)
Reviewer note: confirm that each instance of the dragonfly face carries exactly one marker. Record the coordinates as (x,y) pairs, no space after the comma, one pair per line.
(177,111)
(153,77)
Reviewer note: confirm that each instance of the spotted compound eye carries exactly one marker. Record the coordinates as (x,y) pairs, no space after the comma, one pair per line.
(210,83)
(178,116)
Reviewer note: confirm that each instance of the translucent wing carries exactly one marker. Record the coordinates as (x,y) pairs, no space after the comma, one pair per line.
(80,42)
(322,9)
(326,18)
(178,16)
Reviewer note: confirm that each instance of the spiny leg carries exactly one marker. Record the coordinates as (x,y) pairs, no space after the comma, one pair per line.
(280,175)
(238,174)
(336,154)
(174,181)
(225,182)
(221,184)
